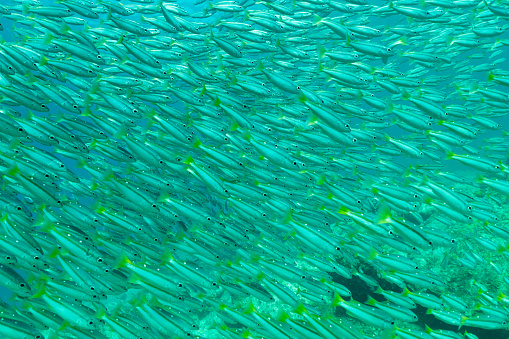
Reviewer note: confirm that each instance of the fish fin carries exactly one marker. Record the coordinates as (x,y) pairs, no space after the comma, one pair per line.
(402,41)
(300,309)
(260,66)
(217,101)
(371,301)
(337,299)
(233,126)
(282,316)
(312,119)
(133,279)
(46,226)
(196,143)
(189,160)
(321,51)
(249,308)
(163,197)
(101,313)
(384,215)
(48,37)
(317,20)
(44,61)
(108,175)
(463,320)
(405,95)
(449,155)
(343,210)
(13,170)
(122,261)
(288,217)
(322,179)
(321,69)
(121,133)
(40,292)
(372,254)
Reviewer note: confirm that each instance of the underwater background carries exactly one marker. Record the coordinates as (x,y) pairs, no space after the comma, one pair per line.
(243,169)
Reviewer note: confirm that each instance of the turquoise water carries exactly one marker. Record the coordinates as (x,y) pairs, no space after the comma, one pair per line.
(258,170)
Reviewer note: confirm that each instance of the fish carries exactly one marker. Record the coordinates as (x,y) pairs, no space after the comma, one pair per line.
(234,169)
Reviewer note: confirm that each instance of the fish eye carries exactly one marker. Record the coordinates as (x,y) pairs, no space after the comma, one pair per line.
(22,285)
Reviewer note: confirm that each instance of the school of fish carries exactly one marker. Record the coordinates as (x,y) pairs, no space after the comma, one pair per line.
(250,169)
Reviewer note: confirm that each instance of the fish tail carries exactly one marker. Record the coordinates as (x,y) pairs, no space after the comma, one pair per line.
(122,261)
